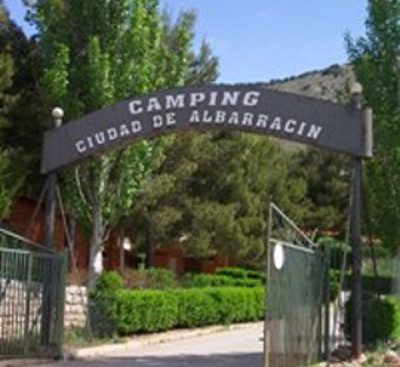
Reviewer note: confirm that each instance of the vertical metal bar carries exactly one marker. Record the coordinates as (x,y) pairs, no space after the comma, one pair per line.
(59,320)
(50,210)
(356,288)
(267,289)
(327,338)
(28,305)
(51,203)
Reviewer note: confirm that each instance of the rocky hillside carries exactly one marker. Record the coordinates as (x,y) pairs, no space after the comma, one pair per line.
(328,84)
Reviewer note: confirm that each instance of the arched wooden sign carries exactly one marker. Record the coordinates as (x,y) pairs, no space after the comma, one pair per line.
(252,109)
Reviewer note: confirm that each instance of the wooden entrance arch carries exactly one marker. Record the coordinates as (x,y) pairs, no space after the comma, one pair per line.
(253,109)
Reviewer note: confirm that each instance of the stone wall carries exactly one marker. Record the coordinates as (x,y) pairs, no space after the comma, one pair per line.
(17,301)
(17,298)
(76,302)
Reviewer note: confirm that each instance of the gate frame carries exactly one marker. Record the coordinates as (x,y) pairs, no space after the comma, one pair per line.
(326,254)
(365,141)
(52,277)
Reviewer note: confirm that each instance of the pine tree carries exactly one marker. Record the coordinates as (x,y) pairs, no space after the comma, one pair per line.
(376,61)
(211,194)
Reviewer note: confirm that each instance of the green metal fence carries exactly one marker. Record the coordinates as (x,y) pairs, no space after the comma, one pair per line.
(32,291)
(296,281)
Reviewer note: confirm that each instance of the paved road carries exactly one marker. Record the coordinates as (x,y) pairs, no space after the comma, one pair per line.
(236,348)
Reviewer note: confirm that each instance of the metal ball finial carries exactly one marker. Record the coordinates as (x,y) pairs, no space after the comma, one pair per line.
(57,114)
(356,89)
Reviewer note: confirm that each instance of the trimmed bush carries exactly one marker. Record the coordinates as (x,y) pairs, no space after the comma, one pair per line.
(211,280)
(197,307)
(145,311)
(380,318)
(232,272)
(240,273)
(149,311)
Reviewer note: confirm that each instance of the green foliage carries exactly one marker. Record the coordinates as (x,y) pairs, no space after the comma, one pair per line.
(376,63)
(197,308)
(211,193)
(11,181)
(102,304)
(327,179)
(96,53)
(380,318)
(152,278)
(11,166)
(145,311)
(156,310)
(235,272)
(21,118)
(211,280)
(334,284)
(339,251)
(161,278)
(109,282)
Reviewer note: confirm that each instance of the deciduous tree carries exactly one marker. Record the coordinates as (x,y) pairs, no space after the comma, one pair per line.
(97,52)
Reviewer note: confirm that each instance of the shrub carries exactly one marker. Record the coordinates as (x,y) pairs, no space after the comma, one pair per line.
(109,281)
(102,304)
(211,280)
(239,304)
(197,307)
(240,273)
(155,310)
(232,272)
(152,278)
(145,311)
(380,318)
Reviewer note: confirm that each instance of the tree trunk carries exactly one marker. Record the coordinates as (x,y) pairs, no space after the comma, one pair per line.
(121,237)
(96,245)
(150,250)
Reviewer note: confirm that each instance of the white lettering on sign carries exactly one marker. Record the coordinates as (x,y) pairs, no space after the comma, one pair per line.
(177,101)
(196,98)
(229,108)
(251,98)
(135,107)
(230,98)
(80,146)
(290,126)
(225,98)
(314,132)
(153,105)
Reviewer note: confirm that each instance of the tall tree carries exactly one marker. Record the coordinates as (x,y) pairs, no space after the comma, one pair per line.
(95,53)
(376,61)
(327,189)
(10,177)
(211,194)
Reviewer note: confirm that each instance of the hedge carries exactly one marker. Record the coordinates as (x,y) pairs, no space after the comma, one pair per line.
(380,318)
(212,280)
(156,310)
(240,273)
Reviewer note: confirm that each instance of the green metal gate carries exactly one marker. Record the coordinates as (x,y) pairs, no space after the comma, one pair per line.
(297,272)
(32,291)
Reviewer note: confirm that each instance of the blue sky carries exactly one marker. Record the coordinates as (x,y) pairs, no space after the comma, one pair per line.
(259,40)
